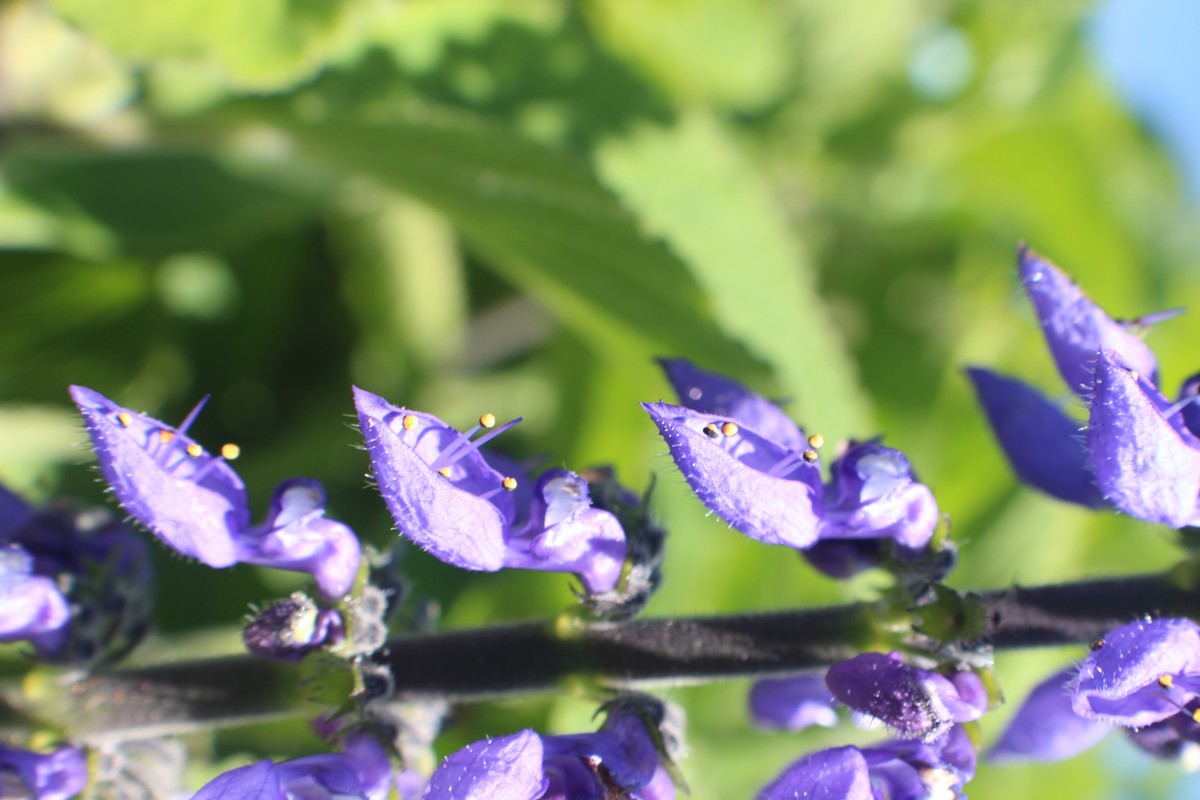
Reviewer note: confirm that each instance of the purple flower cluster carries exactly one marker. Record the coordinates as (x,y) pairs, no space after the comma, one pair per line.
(1141,451)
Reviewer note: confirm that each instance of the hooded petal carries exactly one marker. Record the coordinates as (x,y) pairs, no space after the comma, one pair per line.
(297,537)
(837,774)
(792,703)
(260,781)
(508,768)
(1046,727)
(194,502)
(1044,446)
(914,702)
(443,514)
(1140,673)
(873,495)
(731,474)
(1146,464)
(718,396)
(1076,328)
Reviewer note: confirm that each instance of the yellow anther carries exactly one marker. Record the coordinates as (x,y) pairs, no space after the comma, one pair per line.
(194,450)
(811,456)
(409,422)
(124,419)
(1196,715)
(1166,681)
(444,472)
(1133,374)
(488,420)
(816,440)
(509,483)
(710,430)
(166,437)
(729,429)
(230,451)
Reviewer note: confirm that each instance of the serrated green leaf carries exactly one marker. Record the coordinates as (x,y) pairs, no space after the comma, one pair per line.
(691,186)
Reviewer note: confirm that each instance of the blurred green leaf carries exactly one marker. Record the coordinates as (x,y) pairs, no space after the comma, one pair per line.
(153,201)
(537,215)
(269,44)
(692,186)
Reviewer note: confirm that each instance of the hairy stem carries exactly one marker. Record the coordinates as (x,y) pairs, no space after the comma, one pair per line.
(540,656)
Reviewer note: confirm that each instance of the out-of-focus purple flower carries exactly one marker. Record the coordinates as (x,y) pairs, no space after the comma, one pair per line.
(1045,447)
(77,584)
(792,703)
(57,775)
(196,504)
(362,771)
(1113,464)
(31,606)
(1140,673)
(291,628)
(619,760)
(898,770)
(1146,459)
(916,703)
(755,469)
(446,497)
(1046,727)
(1075,327)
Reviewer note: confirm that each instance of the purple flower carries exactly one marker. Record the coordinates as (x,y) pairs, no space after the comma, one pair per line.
(916,703)
(1146,458)
(619,760)
(898,770)
(449,499)
(31,606)
(76,584)
(1043,443)
(1046,727)
(361,771)
(756,470)
(792,703)
(1140,673)
(196,504)
(58,775)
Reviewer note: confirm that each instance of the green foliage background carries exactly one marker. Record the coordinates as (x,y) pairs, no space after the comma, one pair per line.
(513,206)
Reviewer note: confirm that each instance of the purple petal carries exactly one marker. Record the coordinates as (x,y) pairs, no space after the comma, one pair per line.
(32,606)
(792,703)
(259,781)
(444,515)
(718,396)
(1145,464)
(1076,328)
(1140,673)
(59,775)
(1189,396)
(1045,447)
(1046,727)
(730,475)
(916,703)
(837,774)
(361,770)
(622,747)
(193,501)
(913,770)
(873,495)
(297,537)
(508,768)
(14,513)
(575,537)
